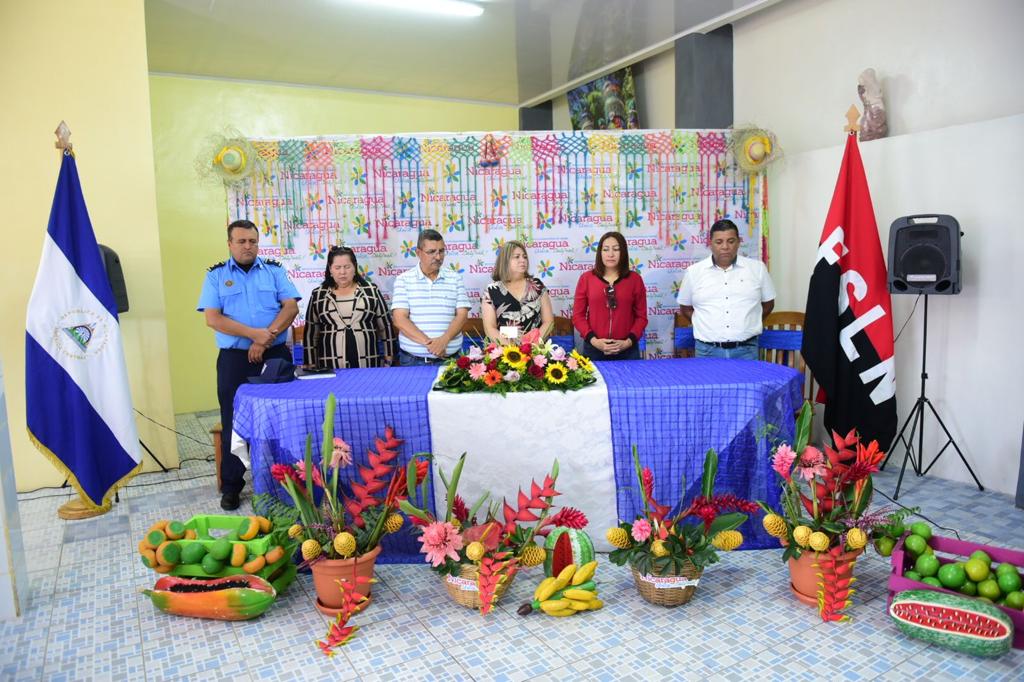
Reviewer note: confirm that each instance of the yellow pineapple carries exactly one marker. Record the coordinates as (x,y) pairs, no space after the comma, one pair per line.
(310,550)
(295,532)
(818,541)
(532,555)
(856,538)
(394,523)
(802,535)
(727,540)
(475,551)
(618,537)
(345,544)
(659,549)
(775,525)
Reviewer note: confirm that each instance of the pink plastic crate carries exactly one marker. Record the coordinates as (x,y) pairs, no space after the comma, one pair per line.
(901,563)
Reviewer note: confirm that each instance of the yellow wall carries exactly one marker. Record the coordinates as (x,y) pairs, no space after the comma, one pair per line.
(84,62)
(186,112)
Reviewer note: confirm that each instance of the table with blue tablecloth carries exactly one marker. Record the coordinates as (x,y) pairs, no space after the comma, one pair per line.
(671,410)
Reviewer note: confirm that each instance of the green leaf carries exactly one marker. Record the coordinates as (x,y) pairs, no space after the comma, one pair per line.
(724,522)
(413,511)
(309,467)
(479,503)
(410,478)
(865,498)
(453,487)
(707,482)
(803,427)
(833,526)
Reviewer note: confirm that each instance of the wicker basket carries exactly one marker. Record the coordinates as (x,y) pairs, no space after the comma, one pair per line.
(463,588)
(660,589)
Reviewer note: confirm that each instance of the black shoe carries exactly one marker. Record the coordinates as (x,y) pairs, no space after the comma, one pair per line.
(229,501)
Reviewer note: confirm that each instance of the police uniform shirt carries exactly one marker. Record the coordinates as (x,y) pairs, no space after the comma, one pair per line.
(252,298)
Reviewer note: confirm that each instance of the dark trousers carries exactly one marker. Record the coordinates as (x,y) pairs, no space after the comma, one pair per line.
(632,353)
(233,370)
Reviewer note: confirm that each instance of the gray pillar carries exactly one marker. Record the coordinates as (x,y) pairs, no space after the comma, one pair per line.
(536,118)
(704,80)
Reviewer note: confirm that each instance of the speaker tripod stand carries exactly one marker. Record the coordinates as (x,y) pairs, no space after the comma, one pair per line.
(916,422)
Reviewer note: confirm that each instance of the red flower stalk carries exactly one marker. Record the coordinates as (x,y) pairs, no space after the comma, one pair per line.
(834,590)
(282,471)
(536,500)
(374,476)
(459,509)
(339,633)
(493,571)
(568,517)
(658,511)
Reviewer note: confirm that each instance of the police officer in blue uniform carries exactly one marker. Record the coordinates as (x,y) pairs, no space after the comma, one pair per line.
(250,303)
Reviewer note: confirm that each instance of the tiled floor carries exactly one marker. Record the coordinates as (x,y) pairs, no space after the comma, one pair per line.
(87,620)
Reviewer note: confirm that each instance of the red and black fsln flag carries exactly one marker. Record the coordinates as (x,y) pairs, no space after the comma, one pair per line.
(848,340)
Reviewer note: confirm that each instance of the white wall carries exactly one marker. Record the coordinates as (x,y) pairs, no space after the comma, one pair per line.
(940,62)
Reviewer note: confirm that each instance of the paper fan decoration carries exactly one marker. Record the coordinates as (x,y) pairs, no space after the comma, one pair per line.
(754,148)
(227,158)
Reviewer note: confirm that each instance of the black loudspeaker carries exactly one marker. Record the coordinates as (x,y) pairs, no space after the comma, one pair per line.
(924,255)
(112,264)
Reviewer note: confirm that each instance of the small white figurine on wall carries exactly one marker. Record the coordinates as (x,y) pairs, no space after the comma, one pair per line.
(872,124)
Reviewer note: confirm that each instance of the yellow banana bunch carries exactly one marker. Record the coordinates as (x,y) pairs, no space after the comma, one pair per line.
(570,592)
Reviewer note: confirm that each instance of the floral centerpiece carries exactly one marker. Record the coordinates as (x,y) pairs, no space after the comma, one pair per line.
(673,545)
(822,521)
(480,549)
(346,521)
(531,365)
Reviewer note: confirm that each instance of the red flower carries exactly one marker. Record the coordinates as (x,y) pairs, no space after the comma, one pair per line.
(463,362)
(569,518)
(535,371)
(459,509)
(492,366)
(282,471)
(525,348)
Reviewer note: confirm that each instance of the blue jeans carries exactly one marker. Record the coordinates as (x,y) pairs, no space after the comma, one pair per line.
(746,351)
(409,360)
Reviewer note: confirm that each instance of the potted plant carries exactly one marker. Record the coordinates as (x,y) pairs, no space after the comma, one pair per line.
(531,365)
(340,525)
(822,521)
(668,549)
(479,550)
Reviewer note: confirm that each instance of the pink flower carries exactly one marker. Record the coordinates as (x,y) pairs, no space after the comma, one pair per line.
(495,353)
(557,353)
(812,456)
(532,337)
(782,461)
(641,530)
(811,464)
(440,541)
(342,454)
(474,353)
(571,364)
(540,360)
(512,376)
(477,370)
(300,468)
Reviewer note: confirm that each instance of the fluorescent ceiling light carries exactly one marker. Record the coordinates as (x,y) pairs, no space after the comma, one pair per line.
(451,7)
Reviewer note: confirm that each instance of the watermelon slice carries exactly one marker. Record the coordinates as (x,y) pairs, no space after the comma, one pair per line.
(959,623)
(566,546)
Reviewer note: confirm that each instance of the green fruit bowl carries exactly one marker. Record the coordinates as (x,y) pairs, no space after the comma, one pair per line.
(902,562)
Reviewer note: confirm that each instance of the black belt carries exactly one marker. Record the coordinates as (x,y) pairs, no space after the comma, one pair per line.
(730,344)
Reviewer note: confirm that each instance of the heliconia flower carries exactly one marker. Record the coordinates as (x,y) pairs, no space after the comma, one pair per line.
(572,365)
(512,376)
(475,353)
(641,530)
(341,455)
(782,461)
(557,353)
(477,370)
(540,360)
(440,540)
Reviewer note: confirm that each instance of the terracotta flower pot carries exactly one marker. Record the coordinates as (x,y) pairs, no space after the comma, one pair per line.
(327,573)
(803,574)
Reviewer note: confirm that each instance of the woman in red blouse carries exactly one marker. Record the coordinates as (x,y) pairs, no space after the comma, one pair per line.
(610,309)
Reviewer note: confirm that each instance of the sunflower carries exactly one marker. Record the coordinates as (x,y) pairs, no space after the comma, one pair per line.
(583,361)
(514,357)
(556,373)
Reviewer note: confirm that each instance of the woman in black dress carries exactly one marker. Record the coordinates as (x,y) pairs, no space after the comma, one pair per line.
(347,321)
(515,299)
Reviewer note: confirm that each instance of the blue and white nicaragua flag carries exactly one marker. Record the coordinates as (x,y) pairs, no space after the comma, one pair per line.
(78,404)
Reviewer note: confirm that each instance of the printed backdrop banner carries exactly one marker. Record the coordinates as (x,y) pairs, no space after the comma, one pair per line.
(558,192)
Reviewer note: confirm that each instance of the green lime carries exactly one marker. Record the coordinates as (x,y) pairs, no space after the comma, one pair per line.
(884,546)
(897,530)
(211,565)
(220,549)
(912,575)
(977,570)
(952,576)
(989,588)
(983,556)
(934,582)
(1005,568)
(927,565)
(915,544)
(1008,582)
(1015,600)
(969,588)
(193,553)
(921,529)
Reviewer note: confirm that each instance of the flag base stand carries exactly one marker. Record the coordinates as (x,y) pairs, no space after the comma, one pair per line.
(76,509)
(916,422)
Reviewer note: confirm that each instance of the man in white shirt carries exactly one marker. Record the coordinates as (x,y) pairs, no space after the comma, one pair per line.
(429,306)
(726,296)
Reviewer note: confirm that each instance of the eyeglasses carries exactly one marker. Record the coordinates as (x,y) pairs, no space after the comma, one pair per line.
(609,291)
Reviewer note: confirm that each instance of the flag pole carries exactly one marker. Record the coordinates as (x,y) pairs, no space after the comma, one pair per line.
(76,508)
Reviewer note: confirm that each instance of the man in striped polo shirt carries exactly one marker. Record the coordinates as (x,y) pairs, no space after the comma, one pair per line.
(429,306)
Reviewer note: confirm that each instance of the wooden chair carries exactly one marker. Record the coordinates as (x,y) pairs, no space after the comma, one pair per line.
(785,348)
(685,349)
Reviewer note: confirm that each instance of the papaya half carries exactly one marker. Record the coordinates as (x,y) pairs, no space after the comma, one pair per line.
(235,597)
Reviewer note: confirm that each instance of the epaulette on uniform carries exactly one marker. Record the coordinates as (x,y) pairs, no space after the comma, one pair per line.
(271,261)
(216,265)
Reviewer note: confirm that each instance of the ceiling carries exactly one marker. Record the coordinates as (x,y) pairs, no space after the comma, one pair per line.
(517,52)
